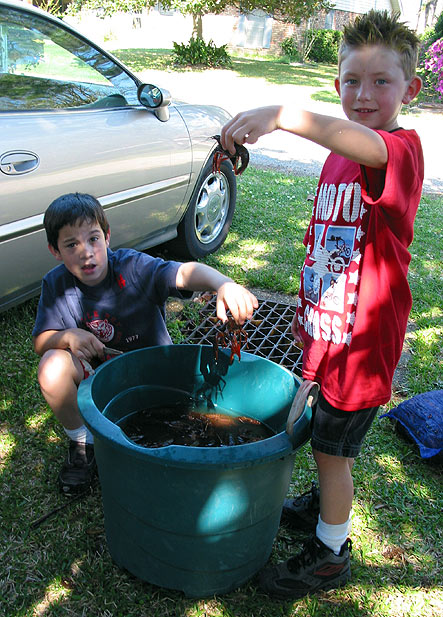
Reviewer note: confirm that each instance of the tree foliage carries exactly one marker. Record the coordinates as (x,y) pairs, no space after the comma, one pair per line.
(109,7)
(293,11)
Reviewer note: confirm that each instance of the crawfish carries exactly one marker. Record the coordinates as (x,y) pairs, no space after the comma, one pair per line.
(220,154)
(232,335)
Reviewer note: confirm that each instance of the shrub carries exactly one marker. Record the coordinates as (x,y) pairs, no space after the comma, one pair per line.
(289,49)
(434,67)
(197,52)
(438,28)
(325,45)
(427,38)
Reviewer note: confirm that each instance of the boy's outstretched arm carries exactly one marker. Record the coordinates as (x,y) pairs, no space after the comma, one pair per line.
(344,137)
(193,276)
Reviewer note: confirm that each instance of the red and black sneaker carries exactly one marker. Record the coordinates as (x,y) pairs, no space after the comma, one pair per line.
(315,568)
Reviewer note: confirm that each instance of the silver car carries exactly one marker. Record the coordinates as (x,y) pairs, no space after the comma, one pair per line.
(73,118)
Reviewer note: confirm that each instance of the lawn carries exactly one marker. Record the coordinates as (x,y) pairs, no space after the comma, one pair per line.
(319,77)
(60,566)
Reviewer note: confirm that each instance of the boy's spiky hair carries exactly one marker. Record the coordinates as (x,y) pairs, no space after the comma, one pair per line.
(68,210)
(382,28)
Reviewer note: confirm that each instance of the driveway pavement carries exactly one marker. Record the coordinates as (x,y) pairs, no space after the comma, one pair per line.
(280,150)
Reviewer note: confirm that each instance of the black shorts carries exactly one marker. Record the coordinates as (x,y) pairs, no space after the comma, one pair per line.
(338,432)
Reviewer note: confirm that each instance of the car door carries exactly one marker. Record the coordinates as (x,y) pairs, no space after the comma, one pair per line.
(70,121)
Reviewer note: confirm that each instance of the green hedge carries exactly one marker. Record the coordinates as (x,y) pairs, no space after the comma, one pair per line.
(325,46)
(314,45)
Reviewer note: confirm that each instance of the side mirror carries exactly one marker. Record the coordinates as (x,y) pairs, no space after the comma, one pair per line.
(155,98)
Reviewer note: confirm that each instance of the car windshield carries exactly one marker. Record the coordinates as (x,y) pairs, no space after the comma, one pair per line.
(44,66)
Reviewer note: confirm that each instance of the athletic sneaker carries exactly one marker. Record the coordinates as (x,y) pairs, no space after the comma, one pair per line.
(302,512)
(315,568)
(78,469)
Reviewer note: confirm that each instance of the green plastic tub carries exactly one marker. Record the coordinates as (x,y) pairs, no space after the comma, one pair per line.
(201,520)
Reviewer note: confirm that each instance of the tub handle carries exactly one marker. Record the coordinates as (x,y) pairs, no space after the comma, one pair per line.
(307,394)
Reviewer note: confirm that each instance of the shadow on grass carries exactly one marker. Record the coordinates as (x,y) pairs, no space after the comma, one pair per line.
(326,96)
(280,73)
(138,60)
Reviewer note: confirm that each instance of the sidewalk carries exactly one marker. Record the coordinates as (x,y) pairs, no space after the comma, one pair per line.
(280,150)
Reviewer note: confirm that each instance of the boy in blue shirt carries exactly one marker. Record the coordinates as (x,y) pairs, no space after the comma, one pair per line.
(98,298)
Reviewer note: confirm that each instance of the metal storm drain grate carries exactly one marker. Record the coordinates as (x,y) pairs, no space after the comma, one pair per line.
(269,332)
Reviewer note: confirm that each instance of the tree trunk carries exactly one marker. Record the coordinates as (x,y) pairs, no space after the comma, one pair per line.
(197,25)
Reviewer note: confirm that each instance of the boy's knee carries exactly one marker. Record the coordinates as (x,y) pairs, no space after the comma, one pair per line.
(56,366)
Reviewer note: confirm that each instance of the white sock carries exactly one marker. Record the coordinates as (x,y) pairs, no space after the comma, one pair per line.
(81,434)
(333,535)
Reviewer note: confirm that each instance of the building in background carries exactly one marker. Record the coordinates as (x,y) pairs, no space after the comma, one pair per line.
(256,31)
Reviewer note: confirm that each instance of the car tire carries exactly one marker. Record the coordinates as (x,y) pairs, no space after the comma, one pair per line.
(208,217)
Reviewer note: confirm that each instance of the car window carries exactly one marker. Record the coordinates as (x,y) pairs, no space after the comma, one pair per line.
(44,66)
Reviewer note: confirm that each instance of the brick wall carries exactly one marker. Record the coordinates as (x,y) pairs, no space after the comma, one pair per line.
(282,30)
(340,19)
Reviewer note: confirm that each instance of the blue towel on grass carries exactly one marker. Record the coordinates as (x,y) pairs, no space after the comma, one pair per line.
(422,417)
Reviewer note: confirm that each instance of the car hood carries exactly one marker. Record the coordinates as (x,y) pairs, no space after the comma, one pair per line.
(203,121)
(218,113)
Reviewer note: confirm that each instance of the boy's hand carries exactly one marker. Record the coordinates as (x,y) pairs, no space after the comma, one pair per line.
(248,126)
(83,344)
(238,300)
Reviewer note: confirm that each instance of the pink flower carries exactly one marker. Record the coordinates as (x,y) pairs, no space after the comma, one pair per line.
(434,64)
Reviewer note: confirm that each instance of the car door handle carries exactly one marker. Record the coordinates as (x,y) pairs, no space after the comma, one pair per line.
(19,162)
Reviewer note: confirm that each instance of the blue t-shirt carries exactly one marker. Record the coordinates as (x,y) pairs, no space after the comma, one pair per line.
(125,311)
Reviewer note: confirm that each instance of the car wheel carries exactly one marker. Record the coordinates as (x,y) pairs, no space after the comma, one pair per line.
(207,220)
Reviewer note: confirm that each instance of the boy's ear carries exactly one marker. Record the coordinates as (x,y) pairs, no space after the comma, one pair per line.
(55,252)
(108,236)
(337,85)
(413,89)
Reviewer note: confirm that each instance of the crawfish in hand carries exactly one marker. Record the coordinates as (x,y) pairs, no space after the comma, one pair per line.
(230,335)
(239,160)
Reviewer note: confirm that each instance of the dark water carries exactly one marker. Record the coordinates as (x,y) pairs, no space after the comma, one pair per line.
(186,425)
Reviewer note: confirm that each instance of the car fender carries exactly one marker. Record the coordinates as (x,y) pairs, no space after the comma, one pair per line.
(202,121)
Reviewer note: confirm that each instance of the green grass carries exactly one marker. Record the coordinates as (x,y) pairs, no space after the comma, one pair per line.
(139,60)
(273,70)
(264,247)
(62,566)
(426,280)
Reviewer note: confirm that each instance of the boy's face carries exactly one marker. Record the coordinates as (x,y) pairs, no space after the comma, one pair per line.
(372,86)
(82,247)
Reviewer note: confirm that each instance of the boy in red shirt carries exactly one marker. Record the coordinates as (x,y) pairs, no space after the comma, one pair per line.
(354,297)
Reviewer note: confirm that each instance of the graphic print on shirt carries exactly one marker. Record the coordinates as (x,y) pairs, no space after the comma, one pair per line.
(330,276)
(102,329)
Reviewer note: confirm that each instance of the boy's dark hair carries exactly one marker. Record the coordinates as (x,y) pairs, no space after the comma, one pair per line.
(70,208)
(382,28)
